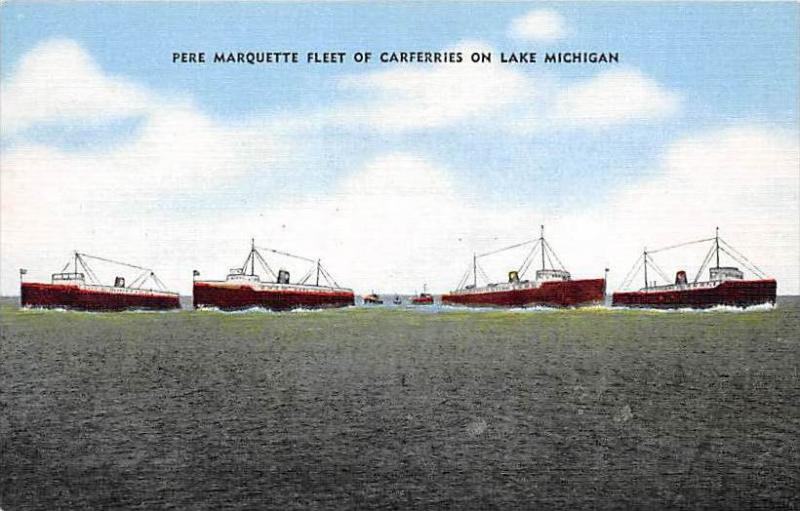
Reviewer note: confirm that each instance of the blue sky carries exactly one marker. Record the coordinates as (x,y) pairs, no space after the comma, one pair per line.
(734,61)
(704,47)
(708,68)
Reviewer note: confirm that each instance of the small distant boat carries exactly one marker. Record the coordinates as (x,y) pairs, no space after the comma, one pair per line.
(551,287)
(423,298)
(81,289)
(397,300)
(726,284)
(242,289)
(372,299)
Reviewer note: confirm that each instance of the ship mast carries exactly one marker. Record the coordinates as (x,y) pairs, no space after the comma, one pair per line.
(541,241)
(252,256)
(318,272)
(645,267)
(716,241)
(474,269)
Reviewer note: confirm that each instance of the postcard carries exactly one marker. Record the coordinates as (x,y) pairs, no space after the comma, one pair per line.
(458,255)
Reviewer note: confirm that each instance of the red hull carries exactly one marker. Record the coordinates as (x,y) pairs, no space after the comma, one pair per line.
(422,300)
(568,293)
(226,297)
(65,296)
(737,293)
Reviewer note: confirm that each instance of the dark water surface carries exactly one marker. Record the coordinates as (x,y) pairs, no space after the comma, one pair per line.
(400,409)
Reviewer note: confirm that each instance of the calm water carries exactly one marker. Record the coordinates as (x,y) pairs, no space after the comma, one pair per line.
(396,408)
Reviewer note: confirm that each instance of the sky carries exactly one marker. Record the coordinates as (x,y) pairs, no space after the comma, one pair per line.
(394,174)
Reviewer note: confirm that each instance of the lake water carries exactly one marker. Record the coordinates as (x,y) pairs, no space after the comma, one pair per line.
(400,408)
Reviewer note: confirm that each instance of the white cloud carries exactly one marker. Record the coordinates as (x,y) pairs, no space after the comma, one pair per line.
(541,25)
(401,220)
(613,97)
(423,97)
(432,96)
(742,179)
(398,221)
(58,81)
(59,199)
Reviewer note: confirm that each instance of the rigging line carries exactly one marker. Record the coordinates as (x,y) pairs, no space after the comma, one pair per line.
(148,276)
(758,270)
(92,277)
(527,261)
(547,254)
(467,273)
(327,275)
(658,270)
(740,258)
(66,266)
(706,260)
(478,272)
(158,282)
(142,277)
(307,276)
(470,270)
(335,284)
(246,261)
(550,248)
(160,285)
(113,261)
(523,270)
(524,264)
(630,275)
(507,248)
(679,245)
(634,271)
(463,281)
(287,254)
(483,274)
(84,269)
(264,265)
(89,272)
(530,260)
(732,256)
(328,280)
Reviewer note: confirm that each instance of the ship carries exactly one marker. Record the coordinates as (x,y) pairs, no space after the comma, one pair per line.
(81,289)
(552,286)
(372,299)
(397,300)
(243,289)
(424,298)
(726,285)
